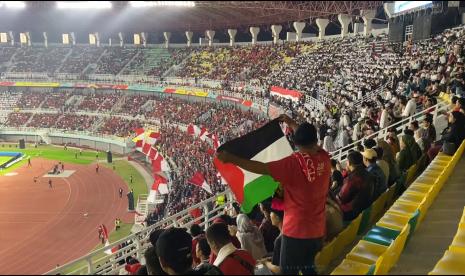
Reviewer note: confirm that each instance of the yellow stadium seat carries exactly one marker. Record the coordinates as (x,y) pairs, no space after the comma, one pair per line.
(349,267)
(411,197)
(391,194)
(346,237)
(392,254)
(420,188)
(393,221)
(366,252)
(459,239)
(325,256)
(411,173)
(378,208)
(452,263)
(404,208)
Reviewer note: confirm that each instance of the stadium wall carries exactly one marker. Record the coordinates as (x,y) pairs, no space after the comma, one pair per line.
(97,143)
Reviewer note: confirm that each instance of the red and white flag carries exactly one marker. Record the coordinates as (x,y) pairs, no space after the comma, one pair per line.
(193,130)
(159,164)
(204,134)
(199,180)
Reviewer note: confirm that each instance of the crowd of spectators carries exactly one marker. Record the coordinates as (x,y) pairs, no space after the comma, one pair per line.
(80,58)
(238,63)
(114,60)
(16,119)
(75,122)
(44,120)
(119,127)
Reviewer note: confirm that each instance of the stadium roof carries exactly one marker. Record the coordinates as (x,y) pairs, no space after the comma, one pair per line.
(229,14)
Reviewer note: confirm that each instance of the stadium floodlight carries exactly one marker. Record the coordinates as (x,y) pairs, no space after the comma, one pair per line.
(149,4)
(13,4)
(84,5)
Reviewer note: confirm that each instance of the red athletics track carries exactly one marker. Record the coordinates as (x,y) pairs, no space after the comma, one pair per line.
(42,227)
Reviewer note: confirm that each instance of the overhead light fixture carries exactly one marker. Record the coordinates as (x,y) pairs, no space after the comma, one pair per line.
(84,5)
(13,4)
(149,4)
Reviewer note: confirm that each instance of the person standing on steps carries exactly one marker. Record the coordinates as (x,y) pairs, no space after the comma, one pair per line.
(96,168)
(29,164)
(50,183)
(120,193)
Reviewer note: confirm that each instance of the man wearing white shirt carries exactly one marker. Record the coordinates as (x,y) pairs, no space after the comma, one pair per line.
(411,107)
(385,120)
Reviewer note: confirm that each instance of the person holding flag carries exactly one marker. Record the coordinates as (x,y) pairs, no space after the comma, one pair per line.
(304,176)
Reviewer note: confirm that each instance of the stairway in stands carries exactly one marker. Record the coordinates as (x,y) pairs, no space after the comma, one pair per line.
(381,43)
(437,231)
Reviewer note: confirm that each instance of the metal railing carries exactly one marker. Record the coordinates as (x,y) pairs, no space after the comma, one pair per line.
(341,154)
(104,261)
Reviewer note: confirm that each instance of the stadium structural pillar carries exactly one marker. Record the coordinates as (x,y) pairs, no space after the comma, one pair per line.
(299,27)
(121,39)
(367,16)
(232,36)
(276,30)
(28,36)
(322,23)
(144,36)
(12,38)
(73,38)
(345,21)
(189,38)
(97,39)
(388,9)
(211,35)
(254,32)
(44,34)
(167,36)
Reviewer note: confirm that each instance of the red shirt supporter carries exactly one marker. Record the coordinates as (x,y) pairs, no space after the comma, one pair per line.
(304,193)
(305,178)
(230,260)
(237,262)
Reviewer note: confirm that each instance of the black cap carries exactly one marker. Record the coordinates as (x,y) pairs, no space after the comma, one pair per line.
(305,135)
(175,246)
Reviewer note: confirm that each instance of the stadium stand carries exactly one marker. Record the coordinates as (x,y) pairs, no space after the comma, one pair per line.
(369,96)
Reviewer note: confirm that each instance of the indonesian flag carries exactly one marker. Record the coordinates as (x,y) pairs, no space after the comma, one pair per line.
(159,164)
(293,95)
(265,144)
(193,130)
(199,181)
(196,213)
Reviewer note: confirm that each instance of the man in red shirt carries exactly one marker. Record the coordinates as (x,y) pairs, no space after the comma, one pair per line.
(230,260)
(305,177)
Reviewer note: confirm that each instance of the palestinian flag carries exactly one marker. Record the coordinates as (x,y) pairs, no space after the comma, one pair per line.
(265,144)
(199,180)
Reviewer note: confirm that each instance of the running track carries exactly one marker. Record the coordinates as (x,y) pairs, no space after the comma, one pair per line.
(42,227)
